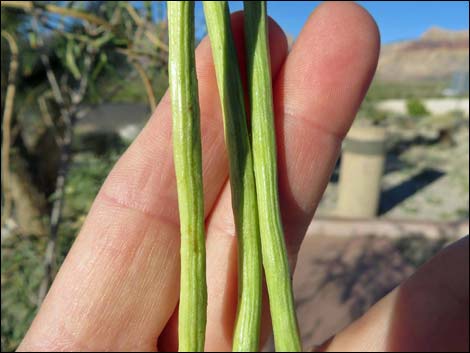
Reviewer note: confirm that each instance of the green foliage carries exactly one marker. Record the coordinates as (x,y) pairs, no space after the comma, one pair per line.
(380,90)
(369,111)
(22,255)
(21,275)
(86,176)
(416,108)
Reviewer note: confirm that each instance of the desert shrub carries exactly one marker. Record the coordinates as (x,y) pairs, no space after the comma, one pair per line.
(416,108)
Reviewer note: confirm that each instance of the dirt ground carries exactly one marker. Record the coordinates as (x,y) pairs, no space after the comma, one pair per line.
(338,279)
(423,179)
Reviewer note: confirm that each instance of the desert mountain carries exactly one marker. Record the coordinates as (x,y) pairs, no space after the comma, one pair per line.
(437,54)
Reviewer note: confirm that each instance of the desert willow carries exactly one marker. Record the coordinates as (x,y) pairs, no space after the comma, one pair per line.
(275,261)
(242,181)
(188,160)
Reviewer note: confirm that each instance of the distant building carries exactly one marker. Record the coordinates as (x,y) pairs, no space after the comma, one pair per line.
(458,86)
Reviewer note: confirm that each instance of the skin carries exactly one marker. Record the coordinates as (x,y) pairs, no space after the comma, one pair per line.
(118,287)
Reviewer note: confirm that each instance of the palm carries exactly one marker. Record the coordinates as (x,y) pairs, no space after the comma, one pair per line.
(118,288)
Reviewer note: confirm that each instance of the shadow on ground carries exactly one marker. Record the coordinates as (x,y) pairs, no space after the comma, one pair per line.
(338,279)
(397,194)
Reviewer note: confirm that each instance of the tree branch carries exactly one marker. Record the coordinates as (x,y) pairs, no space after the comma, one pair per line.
(6,126)
(68,115)
(141,23)
(46,116)
(147,84)
(59,10)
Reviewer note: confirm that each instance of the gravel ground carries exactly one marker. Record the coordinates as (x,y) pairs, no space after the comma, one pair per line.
(425,180)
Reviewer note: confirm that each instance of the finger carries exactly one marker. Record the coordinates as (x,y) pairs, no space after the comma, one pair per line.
(428,313)
(119,284)
(317,100)
(222,279)
(316,96)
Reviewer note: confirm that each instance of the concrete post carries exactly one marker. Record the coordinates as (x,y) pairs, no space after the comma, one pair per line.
(361,170)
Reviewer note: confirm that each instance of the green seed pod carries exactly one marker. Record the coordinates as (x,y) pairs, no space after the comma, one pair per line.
(242,181)
(275,261)
(188,167)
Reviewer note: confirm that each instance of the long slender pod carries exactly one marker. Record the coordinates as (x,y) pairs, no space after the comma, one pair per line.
(188,167)
(242,181)
(275,261)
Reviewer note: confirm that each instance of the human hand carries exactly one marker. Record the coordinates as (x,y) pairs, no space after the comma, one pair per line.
(118,287)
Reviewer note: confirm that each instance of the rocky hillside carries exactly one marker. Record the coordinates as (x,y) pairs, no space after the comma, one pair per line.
(437,54)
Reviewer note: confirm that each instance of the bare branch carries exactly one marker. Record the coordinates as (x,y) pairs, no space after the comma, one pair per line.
(65,147)
(6,127)
(77,96)
(47,65)
(57,206)
(147,84)
(46,116)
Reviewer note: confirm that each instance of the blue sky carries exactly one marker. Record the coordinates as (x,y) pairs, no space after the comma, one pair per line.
(397,20)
